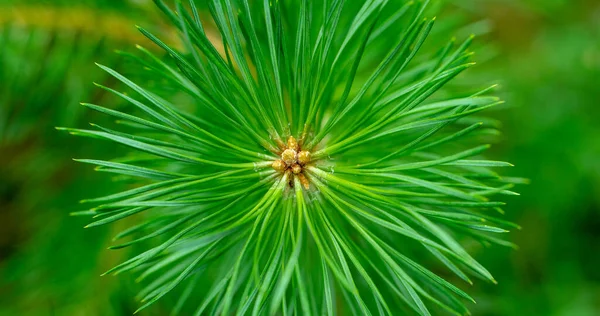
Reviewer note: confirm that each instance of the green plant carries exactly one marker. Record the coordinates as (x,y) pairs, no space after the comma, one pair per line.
(306,165)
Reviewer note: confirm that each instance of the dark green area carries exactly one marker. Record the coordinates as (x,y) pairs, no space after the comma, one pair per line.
(549,63)
(545,55)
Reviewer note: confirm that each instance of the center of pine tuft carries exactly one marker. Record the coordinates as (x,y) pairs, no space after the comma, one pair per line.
(293,162)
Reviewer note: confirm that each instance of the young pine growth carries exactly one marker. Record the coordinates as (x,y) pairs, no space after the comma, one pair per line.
(314,160)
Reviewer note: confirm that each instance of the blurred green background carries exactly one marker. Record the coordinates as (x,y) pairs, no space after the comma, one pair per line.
(544,53)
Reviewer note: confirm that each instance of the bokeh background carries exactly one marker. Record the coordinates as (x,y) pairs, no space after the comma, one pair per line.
(545,54)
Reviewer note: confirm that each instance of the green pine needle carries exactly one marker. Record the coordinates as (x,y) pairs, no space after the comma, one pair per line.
(305,164)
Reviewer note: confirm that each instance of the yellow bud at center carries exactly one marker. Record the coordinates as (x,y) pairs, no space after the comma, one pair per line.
(293,162)
(289,156)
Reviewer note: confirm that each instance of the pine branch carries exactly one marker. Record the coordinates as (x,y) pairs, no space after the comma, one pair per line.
(308,166)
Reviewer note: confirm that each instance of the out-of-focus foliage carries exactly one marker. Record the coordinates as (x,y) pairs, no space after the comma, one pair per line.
(43,75)
(546,55)
(551,69)
(548,61)
(48,264)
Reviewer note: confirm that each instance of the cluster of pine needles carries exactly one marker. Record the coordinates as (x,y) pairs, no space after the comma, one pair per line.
(312,162)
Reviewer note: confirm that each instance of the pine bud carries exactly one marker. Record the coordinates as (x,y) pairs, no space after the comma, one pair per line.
(292,143)
(289,156)
(279,165)
(303,157)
